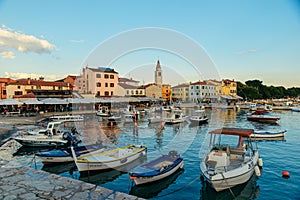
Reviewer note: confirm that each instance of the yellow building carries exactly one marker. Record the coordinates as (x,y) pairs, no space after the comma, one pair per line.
(166,92)
(229,87)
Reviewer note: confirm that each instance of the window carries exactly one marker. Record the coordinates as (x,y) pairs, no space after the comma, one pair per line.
(112,85)
(197,87)
(98,84)
(111,76)
(192,93)
(53,88)
(136,92)
(141,91)
(132,92)
(98,94)
(4,92)
(202,87)
(98,75)
(18,93)
(19,87)
(111,93)
(127,91)
(197,93)
(106,93)
(106,76)
(106,84)
(87,76)
(192,87)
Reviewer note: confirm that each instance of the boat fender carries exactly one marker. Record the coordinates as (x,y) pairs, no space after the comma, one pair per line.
(260,162)
(257,171)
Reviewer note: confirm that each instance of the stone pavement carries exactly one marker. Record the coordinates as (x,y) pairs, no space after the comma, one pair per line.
(21,182)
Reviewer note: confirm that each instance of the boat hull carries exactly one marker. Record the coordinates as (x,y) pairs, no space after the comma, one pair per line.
(270,120)
(44,142)
(268,134)
(231,178)
(150,179)
(89,165)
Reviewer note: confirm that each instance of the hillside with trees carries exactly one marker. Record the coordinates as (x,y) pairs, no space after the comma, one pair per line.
(254,89)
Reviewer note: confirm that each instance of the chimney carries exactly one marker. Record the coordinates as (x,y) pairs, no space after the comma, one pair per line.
(28,81)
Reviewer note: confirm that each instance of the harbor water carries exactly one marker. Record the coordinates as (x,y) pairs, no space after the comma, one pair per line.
(191,143)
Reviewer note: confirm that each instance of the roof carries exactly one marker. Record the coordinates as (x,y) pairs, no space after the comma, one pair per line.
(127,80)
(103,69)
(181,85)
(233,131)
(126,86)
(146,86)
(38,82)
(7,80)
(199,83)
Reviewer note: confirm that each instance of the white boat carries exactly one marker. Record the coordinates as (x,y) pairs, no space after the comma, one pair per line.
(155,119)
(111,159)
(226,166)
(176,118)
(103,112)
(157,169)
(295,109)
(67,118)
(52,136)
(268,134)
(199,118)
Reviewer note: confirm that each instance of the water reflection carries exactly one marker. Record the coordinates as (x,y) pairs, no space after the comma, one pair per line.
(153,189)
(248,190)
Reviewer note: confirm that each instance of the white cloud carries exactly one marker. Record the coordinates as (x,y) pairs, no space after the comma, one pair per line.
(246,52)
(47,77)
(7,54)
(10,39)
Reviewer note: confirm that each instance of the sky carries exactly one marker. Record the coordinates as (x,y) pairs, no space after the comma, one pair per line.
(240,40)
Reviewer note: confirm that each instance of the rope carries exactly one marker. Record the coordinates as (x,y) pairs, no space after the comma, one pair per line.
(183,187)
(228,187)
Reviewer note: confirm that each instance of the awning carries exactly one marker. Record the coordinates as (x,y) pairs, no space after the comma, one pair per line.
(52,101)
(9,102)
(32,102)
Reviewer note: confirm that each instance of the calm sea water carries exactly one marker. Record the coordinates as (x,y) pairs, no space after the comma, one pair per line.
(191,143)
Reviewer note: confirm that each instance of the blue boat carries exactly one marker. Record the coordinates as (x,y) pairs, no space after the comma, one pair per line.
(65,155)
(157,169)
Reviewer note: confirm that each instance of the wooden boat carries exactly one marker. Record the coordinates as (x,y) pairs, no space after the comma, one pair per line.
(263,117)
(111,159)
(103,112)
(199,118)
(268,134)
(157,169)
(176,118)
(227,166)
(52,136)
(67,118)
(57,156)
(295,109)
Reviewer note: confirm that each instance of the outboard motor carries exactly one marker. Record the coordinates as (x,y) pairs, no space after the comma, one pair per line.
(71,138)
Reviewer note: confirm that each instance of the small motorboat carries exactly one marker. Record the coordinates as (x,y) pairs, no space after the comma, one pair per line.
(199,118)
(110,159)
(157,169)
(262,116)
(268,134)
(225,165)
(176,118)
(103,112)
(57,156)
(295,109)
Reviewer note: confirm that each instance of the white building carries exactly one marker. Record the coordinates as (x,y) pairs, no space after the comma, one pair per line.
(201,90)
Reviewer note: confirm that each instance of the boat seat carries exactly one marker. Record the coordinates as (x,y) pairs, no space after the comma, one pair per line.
(238,151)
(211,164)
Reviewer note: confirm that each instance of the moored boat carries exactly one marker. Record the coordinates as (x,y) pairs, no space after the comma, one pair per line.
(295,109)
(227,166)
(199,118)
(111,159)
(103,112)
(157,169)
(176,118)
(57,156)
(268,134)
(263,117)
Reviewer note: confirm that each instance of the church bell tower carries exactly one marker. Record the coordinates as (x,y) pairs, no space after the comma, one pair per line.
(158,74)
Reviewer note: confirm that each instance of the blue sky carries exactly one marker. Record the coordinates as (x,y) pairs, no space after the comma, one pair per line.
(244,39)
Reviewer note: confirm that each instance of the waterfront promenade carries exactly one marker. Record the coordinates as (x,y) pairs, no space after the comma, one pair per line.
(21,182)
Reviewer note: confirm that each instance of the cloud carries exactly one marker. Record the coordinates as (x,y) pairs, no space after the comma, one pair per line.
(77,41)
(47,77)
(10,39)
(246,52)
(7,54)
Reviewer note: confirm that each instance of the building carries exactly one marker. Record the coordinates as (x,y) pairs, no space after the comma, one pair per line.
(127,90)
(158,74)
(152,90)
(98,82)
(166,92)
(180,92)
(200,90)
(40,88)
(129,81)
(3,83)
(229,87)
(218,85)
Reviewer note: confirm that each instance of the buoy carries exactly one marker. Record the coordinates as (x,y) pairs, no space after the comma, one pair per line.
(257,171)
(260,162)
(285,174)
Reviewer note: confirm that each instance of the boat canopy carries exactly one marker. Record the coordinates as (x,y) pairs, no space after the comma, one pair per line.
(233,131)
